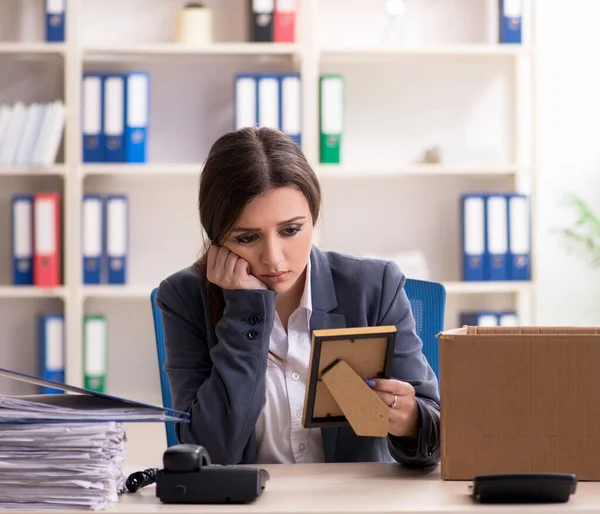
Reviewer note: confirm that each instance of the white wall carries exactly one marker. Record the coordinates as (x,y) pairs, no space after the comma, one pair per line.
(568,153)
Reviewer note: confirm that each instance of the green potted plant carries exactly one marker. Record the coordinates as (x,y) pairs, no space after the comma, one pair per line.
(582,238)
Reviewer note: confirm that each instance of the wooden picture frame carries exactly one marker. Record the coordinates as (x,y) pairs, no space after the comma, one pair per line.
(341,361)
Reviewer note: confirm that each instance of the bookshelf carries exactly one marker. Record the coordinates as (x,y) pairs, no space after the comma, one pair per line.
(457,89)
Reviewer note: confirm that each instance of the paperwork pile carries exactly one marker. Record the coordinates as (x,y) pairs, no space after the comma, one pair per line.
(65,451)
(66,465)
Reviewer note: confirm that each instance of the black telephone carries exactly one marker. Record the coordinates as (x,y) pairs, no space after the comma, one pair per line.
(188,476)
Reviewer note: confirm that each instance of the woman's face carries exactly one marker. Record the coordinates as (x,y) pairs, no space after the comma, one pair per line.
(274,235)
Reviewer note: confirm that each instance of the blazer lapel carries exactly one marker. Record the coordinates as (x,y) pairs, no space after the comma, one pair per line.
(324,301)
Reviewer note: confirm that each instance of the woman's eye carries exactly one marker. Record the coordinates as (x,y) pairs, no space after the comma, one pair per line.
(247,239)
(290,231)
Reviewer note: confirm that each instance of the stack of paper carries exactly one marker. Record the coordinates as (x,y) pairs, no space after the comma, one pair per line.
(66,465)
(65,451)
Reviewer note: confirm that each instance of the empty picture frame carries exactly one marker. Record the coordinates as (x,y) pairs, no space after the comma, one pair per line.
(367,350)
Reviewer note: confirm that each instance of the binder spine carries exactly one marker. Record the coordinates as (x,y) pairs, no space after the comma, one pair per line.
(246,101)
(291,106)
(511,21)
(261,20)
(92,118)
(137,109)
(496,267)
(519,237)
(114,117)
(95,352)
(47,238)
(22,239)
(284,21)
(473,215)
(55,20)
(116,238)
(331,118)
(51,346)
(92,238)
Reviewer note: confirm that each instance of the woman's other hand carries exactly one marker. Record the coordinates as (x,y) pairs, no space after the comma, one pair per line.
(229,271)
(402,405)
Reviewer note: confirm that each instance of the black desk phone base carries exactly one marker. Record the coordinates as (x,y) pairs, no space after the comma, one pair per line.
(188,476)
(524,488)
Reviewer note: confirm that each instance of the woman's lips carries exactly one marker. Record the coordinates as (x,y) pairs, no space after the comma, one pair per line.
(275,278)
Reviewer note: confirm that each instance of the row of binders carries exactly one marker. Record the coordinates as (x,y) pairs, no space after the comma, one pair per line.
(272,21)
(51,351)
(489,319)
(30,134)
(36,236)
(115,116)
(105,238)
(496,236)
(274,100)
(36,239)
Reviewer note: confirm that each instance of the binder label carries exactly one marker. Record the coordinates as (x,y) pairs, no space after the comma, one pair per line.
(245,108)
(286,6)
(513,8)
(117,229)
(92,108)
(22,230)
(474,227)
(95,347)
(137,101)
(45,235)
(519,228)
(54,345)
(290,92)
(268,105)
(497,225)
(55,7)
(113,116)
(332,105)
(92,236)
(263,7)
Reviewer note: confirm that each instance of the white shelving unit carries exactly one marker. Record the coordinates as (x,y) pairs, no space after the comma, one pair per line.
(457,88)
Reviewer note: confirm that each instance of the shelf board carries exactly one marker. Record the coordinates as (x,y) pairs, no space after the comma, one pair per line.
(31,292)
(336,171)
(491,287)
(176,49)
(433,50)
(33,170)
(21,48)
(142,170)
(117,291)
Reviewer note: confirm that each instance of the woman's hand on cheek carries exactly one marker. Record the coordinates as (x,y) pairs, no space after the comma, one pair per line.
(229,271)
(403,410)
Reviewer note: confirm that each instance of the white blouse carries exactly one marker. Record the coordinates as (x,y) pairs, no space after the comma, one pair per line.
(280,435)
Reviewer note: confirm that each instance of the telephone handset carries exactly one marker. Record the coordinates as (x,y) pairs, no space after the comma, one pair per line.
(188,476)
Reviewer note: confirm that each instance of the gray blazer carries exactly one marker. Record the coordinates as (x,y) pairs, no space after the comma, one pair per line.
(218,374)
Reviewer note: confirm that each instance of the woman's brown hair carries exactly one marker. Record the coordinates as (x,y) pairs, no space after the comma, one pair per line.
(240,166)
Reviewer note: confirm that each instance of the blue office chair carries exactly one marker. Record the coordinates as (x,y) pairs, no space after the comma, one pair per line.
(162,357)
(428,303)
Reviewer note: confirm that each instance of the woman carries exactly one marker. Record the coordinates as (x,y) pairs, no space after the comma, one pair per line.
(238,323)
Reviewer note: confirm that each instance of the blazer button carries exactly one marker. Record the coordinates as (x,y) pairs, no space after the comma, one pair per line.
(253,334)
(255,319)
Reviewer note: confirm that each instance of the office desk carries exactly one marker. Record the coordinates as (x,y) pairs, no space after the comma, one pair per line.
(357,488)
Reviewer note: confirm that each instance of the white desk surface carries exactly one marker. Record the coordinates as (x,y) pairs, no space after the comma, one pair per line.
(370,488)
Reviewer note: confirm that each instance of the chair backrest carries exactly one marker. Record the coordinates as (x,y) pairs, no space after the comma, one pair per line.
(428,303)
(167,399)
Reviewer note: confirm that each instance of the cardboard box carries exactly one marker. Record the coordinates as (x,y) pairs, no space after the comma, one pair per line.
(520,399)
